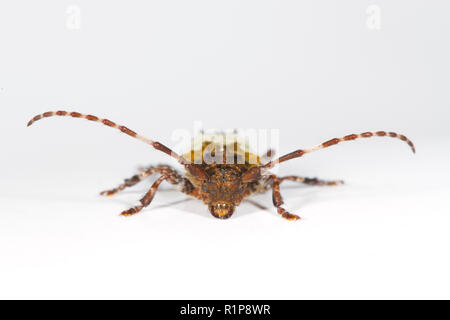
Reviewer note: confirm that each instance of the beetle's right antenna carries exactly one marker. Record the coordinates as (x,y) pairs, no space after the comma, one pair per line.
(157,145)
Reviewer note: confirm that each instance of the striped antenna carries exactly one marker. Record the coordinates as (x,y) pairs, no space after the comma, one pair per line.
(300,152)
(157,145)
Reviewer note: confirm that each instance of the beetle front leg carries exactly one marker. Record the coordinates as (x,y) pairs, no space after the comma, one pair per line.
(278,201)
(171,176)
(147,199)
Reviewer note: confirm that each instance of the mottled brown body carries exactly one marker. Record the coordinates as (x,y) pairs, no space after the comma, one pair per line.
(220,174)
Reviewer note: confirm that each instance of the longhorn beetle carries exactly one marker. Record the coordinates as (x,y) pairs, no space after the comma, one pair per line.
(220,185)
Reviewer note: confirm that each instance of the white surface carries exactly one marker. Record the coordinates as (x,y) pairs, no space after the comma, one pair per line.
(312,70)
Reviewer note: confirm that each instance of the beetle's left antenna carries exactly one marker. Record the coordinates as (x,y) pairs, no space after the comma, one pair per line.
(256,172)
(300,152)
(157,145)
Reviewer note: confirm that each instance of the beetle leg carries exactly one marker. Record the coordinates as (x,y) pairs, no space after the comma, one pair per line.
(138,178)
(147,199)
(311,181)
(129,182)
(278,201)
(172,177)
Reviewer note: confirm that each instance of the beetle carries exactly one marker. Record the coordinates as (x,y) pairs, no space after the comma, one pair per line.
(221,185)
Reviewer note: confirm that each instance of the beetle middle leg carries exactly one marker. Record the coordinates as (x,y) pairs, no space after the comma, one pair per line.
(311,181)
(137,178)
(278,200)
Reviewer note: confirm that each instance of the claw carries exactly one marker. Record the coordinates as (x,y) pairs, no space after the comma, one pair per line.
(108,193)
(286,215)
(131,211)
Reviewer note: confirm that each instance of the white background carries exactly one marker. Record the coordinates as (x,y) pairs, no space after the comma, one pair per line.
(312,69)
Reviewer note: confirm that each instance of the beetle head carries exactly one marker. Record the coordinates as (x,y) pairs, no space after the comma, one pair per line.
(221,187)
